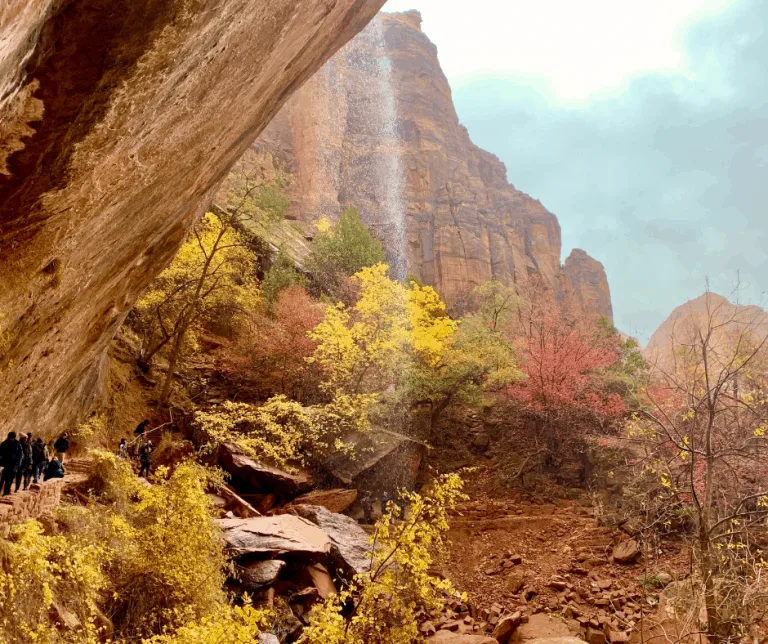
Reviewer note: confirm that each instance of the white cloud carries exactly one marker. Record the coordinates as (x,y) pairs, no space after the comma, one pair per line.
(574,50)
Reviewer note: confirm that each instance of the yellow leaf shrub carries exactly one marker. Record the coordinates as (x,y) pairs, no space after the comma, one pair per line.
(282,431)
(387,598)
(44,575)
(160,548)
(363,348)
(233,625)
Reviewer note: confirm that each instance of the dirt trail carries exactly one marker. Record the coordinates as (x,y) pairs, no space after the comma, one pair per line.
(548,557)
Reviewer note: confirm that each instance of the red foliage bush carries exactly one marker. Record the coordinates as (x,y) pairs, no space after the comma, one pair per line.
(269,354)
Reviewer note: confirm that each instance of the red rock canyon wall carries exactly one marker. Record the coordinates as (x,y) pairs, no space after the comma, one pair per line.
(118,118)
(465,223)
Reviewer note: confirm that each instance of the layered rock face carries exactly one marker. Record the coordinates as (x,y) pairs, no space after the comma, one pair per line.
(376,129)
(118,118)
(584,283)
(727,321)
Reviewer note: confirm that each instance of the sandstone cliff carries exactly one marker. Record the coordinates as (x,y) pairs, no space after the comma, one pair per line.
(377,129)
(727,320)
(584,283)
(118,119)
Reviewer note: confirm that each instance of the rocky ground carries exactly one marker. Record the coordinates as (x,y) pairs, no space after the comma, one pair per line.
(531,567)
(517,558)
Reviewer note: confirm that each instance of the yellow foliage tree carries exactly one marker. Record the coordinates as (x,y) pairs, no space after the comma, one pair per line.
(387,598)
(214,271)
(401,335)
(364,347)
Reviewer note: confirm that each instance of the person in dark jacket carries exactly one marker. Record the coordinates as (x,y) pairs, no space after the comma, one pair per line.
(366,503)
(11,456)
(54,470)
(25,470)
(39,459)
(145,459)
(61,446)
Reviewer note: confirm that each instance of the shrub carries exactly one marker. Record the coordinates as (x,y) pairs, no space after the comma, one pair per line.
(161,550)
(341,250)
(45,577)
(282,431)
(381,605)
(233,625)
(280,276)
(269,355)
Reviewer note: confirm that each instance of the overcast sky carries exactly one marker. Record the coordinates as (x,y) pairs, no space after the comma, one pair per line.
(642,126)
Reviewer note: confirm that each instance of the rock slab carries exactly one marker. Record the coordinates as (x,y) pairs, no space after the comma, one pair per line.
(350,550)
(282,534)
(252,477)
(332,500)
(626,552)
(459,638)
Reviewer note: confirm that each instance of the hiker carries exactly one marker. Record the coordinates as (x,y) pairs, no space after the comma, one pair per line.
(39,459)
(145,459)
(25,469)
(366,502)
(122,449)
(384,500)
(402,503)
(141,427)
(54,470)
(60,447)
(11,456)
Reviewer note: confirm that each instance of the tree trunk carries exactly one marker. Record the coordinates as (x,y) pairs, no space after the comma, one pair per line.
(173,361)
(145,359)
(714,624)
(437,410)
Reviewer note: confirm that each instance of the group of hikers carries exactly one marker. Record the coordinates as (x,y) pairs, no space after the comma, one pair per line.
(140,446)
(28,459)
(367,500)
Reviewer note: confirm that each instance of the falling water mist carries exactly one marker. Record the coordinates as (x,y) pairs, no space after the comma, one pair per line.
(372,106)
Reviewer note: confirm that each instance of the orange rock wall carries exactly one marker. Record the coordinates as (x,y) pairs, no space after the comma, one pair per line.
(465,222)
(118,120)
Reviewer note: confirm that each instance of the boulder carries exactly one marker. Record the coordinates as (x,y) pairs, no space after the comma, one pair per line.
(481,441)
(268,638)
(542,627)
(506,627)
(257,574)
(64,618)
(333,500)
(218,502)
(282,534)
(350,550)
(556,640)
(626,552)
(664,578)
(461,638)
(251,476)
(380,460)
(595,636)
(321,578)
(515,581)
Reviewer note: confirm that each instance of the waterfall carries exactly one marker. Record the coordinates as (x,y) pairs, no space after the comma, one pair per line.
(372,124)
